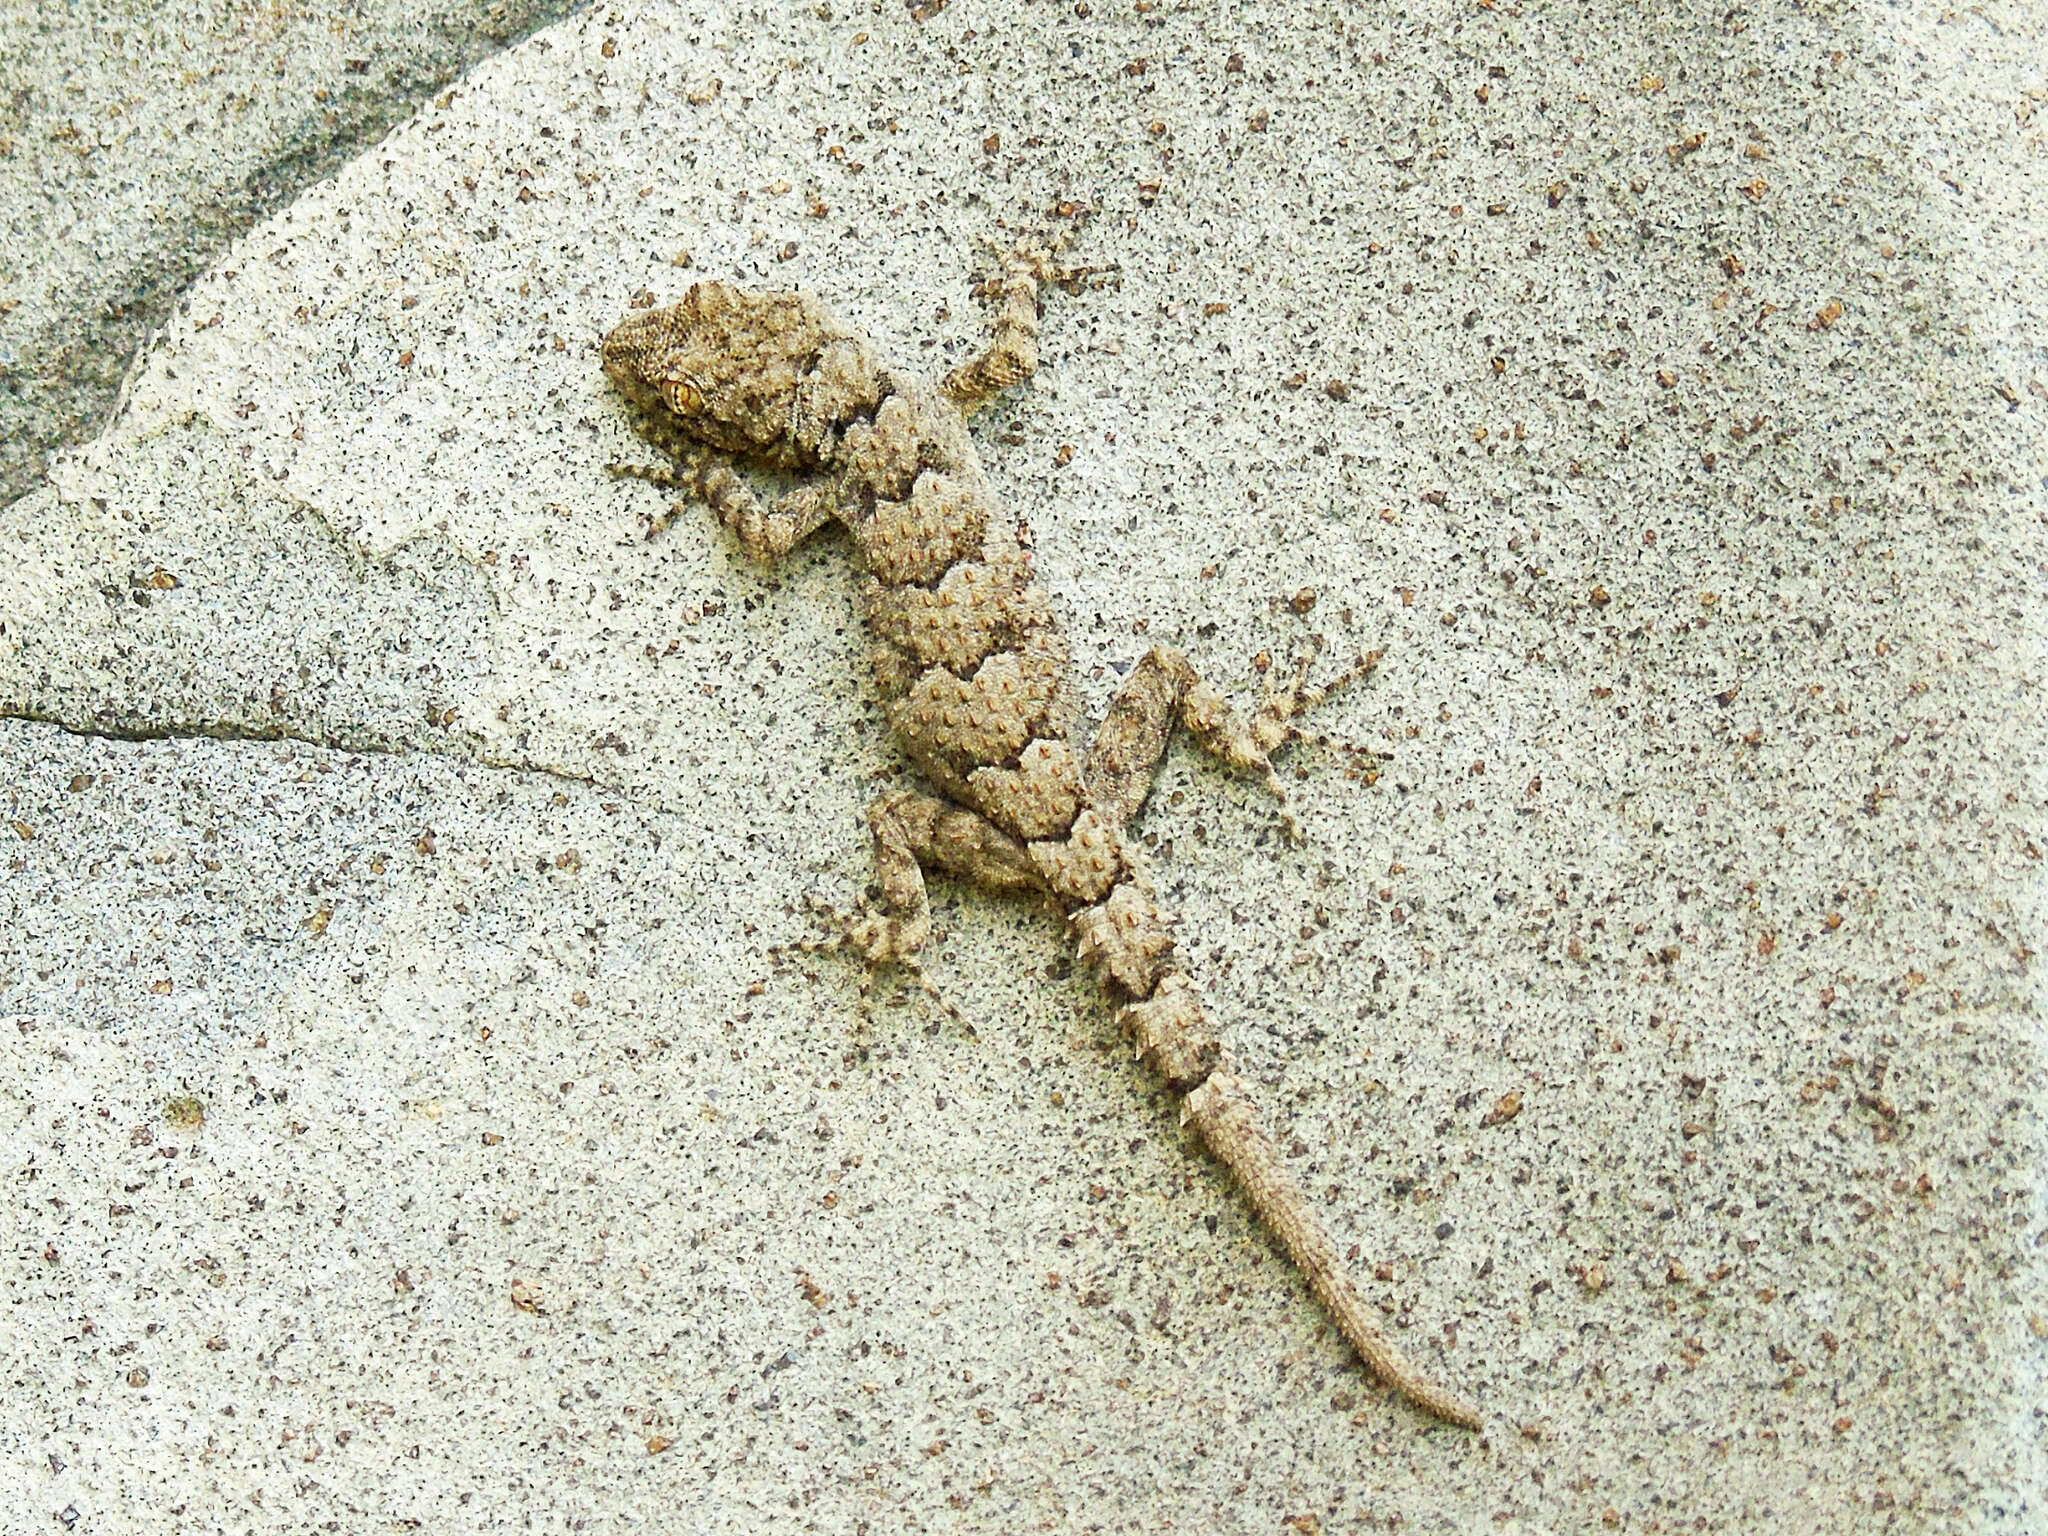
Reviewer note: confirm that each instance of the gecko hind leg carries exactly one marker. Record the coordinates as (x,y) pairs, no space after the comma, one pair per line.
(1164,688)
(914,832)
(1275,721)
(860,927)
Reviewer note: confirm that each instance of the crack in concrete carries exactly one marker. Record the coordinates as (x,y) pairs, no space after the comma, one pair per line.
(227,732)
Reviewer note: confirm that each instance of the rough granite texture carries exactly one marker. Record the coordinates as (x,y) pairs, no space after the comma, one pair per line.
(136,139)
(408,1121)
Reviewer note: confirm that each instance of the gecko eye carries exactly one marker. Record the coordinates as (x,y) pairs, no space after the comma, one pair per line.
(683,397)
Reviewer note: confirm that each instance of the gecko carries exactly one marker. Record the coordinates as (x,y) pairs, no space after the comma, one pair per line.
(974,676)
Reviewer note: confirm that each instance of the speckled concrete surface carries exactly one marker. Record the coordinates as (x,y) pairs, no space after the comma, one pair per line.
(1663,393)
(136,139)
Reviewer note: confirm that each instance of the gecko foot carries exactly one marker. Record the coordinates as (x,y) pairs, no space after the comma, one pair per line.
(1273,724)
(668,477)
(881,939)
(1286,704)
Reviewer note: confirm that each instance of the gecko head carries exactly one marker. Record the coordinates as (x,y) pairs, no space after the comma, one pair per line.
(761,375)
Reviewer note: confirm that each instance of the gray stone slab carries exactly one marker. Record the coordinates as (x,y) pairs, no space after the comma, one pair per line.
(137,139)
(1663,393)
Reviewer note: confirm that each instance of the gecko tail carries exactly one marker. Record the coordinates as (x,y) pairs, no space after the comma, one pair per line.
(1126,942)
(1223,1110)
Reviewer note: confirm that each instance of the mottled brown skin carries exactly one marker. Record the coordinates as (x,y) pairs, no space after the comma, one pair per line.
(973,671)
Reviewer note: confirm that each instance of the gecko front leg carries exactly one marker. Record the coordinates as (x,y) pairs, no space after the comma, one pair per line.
(703,474)
(1012,352)
(1011,355)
